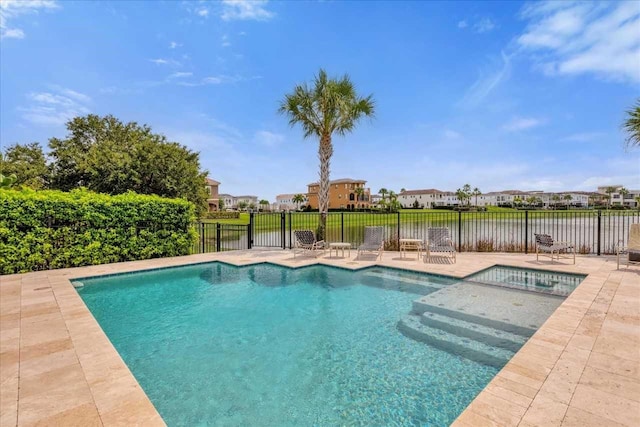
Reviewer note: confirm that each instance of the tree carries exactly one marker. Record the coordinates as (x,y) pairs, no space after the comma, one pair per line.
(476,192)
(109,156)
(220,204)
(392,205)
(402,190)
(517,201)
(251,206)
(6,181)
(297,199)
(610,191)
(568,198)
(242,205)
(637,199)
(359,194)
(28,163)
(555,198)
(330,106)
(383,192)
(264,204)
(632,125)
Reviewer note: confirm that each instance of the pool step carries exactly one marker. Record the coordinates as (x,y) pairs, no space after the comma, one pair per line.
(433,283)
(420,307)
(411,326)
(475,331)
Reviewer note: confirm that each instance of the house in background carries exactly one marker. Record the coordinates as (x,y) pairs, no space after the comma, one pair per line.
(343,194)
(213,200)
(232,202)
(284,202)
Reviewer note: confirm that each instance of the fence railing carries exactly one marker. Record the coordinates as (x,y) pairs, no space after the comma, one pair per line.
(216,237)
(592,232)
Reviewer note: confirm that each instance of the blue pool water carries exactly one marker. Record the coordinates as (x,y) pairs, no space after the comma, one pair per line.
(213,344)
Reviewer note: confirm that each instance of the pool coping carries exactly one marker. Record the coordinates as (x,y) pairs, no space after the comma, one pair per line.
(52,343)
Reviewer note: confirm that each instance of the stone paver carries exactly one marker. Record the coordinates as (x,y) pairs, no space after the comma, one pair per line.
(581,368)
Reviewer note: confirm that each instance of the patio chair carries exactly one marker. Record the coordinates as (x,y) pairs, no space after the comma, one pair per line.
(373,241)
(439,240)
(306,243)
(632,249)
(545,245)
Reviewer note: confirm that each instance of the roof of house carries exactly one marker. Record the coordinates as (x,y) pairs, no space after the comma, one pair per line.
(415,192)
(210,181)
(342,181)
(287,196)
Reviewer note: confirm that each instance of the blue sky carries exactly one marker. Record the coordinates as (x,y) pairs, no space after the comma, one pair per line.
(500,95)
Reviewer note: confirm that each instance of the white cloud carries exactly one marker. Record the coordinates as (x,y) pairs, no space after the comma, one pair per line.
(487,82)
(11,9)
(484,25)
(12,33)
(522,123)
(245,10)
(583,137)
(164,61)
(174,45)
(269,139)
(55,108)
(217,80)
(478,25)
(225,41)
(180,75)
(204,12)
(592,37)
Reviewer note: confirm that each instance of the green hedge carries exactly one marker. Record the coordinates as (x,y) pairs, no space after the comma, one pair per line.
(41,230)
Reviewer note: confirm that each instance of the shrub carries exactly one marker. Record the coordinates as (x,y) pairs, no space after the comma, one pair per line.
(54,229)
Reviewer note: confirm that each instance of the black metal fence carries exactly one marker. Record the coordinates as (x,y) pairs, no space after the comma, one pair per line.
(216,237)
(592,232)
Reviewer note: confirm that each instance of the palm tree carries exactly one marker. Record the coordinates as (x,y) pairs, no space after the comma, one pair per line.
(637,199)
(632,125)
(297,199)
(330,106)
(556,198)
(383,192)
(610,191)
(517,201)
(623,193)
(359,194)
(402,190)
(568,198)
(476,193)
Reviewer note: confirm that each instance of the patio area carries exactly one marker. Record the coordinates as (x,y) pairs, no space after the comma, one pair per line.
(581,368)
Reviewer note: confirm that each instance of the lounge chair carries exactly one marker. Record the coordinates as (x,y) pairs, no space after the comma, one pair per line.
(373,241)
(545,245)
(632,249)
(306,243)
(439,240)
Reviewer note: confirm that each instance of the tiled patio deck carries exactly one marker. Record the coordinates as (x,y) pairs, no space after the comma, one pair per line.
(582,367)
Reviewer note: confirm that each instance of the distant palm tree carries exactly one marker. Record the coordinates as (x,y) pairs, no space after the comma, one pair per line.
(383,192)
(623,193)
(359,194)
(568,198)
(402,190)
(632,125)
(476,193)
(556,198)
(330,106)
(610,191)
(297,199)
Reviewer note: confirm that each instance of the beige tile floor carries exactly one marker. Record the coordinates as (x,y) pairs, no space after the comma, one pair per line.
(582,367)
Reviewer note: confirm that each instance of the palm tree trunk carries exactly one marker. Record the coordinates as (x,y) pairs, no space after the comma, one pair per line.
(325,151)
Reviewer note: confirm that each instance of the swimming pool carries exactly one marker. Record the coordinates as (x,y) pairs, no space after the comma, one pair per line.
(214,344)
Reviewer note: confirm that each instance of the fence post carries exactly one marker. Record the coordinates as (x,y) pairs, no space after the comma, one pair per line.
(218,243)
(459,231)
(599,228)
(290,226)
(342,226)
(526,232)
(283,229)
(398,229)
(250,231)
(202,237)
